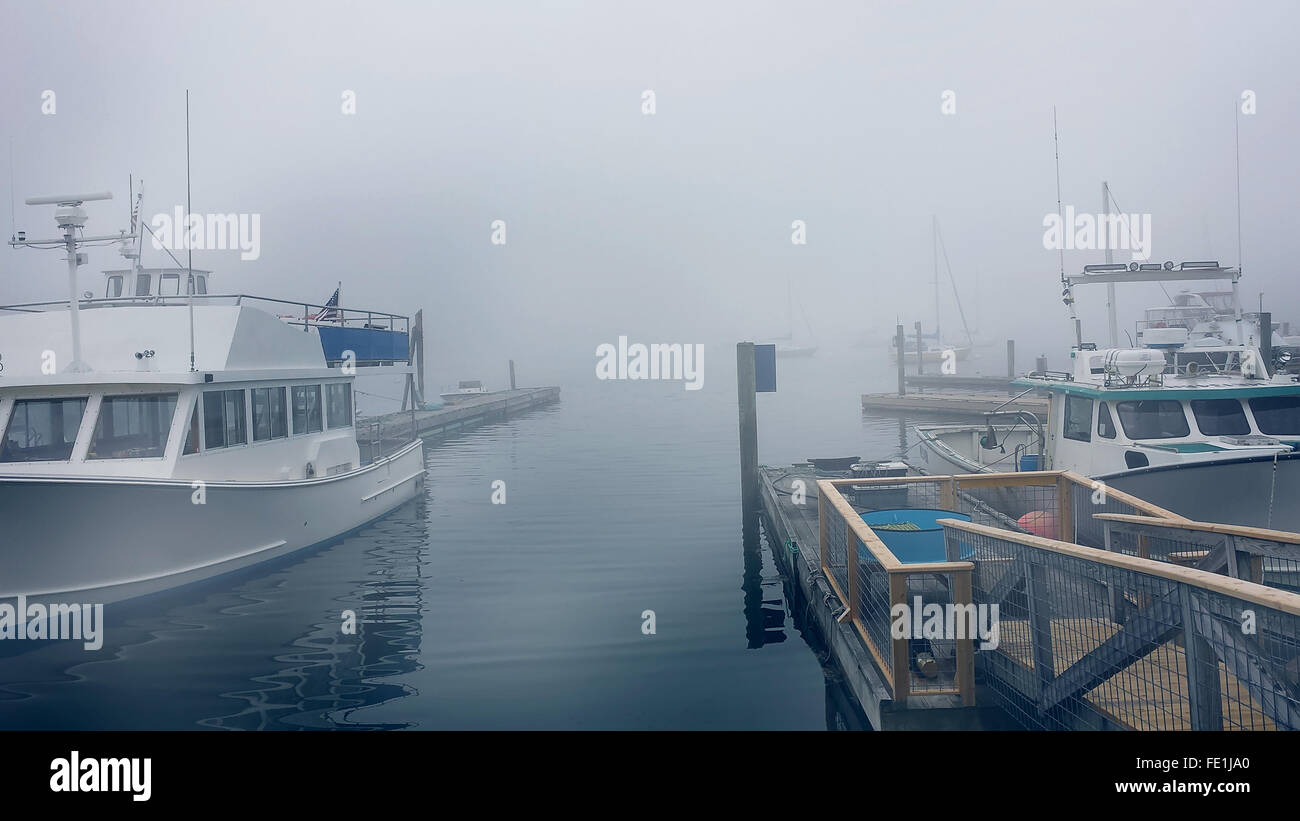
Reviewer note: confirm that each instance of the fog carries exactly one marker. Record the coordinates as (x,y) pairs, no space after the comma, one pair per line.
(673,226)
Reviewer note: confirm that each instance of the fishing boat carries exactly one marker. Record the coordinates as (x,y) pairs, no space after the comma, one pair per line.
(163,435)
(1204,426)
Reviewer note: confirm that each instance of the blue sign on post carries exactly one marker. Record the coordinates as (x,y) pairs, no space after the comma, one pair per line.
(765,369)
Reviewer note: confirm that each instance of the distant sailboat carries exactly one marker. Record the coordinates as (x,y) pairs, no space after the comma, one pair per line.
(932,347)
(786,346)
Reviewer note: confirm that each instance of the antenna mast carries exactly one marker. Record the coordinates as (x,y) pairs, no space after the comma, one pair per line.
(1110,286)
(1236,299)
(1067,294)
(189,259)
(71,218)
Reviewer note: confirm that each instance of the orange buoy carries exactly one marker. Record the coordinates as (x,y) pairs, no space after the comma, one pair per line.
(1040,523)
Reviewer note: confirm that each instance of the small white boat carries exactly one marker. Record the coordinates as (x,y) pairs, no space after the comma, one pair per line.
(467,389)
(192,435)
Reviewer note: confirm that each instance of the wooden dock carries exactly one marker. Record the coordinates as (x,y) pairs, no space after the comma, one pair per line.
(1097,629)
(379,432)
(794,534)
(966,403)
(988,383)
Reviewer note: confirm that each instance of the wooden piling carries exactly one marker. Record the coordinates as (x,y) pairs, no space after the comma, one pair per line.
(512,374)
(1011,359)
(920,351)
(901,342)
(746,398)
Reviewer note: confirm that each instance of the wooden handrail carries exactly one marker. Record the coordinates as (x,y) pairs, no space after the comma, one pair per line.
(872,542)
(1237,588)
(1263,534)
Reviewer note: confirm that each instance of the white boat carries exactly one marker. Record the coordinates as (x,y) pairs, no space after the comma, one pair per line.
(190,436)
(1205,427)
(467,389)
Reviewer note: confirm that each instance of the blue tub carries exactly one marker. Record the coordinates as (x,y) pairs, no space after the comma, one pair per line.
(915,546)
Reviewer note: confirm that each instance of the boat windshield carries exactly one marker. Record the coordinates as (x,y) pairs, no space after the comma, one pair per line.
(1153,419)
(1220,417)
(1277,414)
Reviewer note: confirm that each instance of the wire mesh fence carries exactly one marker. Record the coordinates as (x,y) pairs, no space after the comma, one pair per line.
(1118,636)
(1104,641)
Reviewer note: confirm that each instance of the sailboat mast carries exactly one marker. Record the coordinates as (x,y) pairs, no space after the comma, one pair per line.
(1110,286)
(934,248)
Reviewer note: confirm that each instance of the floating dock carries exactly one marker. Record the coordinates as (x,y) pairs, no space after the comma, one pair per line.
(988,383)
(966,403)
(1112,613)
(380,433)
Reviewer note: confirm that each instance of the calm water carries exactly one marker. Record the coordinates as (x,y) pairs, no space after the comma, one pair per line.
(621,498)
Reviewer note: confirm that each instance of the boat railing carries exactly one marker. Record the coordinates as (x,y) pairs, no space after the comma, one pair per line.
(871,581)
(304,314)
(384,435)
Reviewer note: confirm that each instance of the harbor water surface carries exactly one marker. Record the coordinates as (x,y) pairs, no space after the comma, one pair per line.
(620,499)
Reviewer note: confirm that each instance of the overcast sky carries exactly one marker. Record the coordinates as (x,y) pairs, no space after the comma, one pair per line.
(674,226)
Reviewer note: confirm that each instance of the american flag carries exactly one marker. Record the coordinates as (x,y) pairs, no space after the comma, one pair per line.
(329,312)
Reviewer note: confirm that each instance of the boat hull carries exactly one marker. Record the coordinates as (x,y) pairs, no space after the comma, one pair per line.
(1228,491)
(106,540)
(1251,491)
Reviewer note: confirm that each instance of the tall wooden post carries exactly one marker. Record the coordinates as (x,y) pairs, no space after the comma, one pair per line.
(920,351)
(1011,359)
(900,341)
(512,374)
(746,398)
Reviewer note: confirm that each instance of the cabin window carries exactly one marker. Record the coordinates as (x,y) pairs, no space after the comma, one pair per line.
(224,423)
(338,395)
(1220,417)
(169,285)
(42,430)
(1153,419)
(113,289)
(1277,414)
(1078,418)
(133,427)
(1105,425)
(192,437)
(270,414)
(142,285)
(306,409)
(201,284)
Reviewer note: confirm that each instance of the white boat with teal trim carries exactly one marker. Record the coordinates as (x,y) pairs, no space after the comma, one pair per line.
(1202,426)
